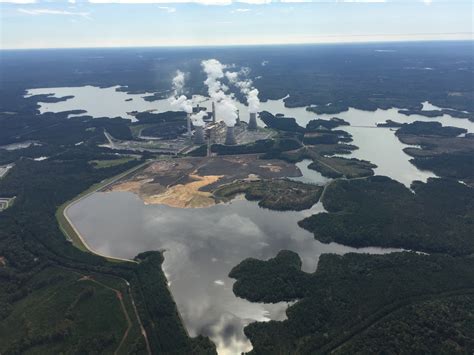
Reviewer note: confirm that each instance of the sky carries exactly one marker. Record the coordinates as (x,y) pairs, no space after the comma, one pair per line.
(140,23)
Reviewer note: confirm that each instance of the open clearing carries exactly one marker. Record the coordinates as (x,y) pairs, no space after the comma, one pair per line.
(189,182)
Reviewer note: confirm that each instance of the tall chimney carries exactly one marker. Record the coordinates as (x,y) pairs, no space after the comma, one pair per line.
(229,137)
(213,112)
(188,123)
(253,121)
(209,141)
(237,120)
(199,135)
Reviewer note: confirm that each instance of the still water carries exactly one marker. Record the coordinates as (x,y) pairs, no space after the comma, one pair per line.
(380,146)
(201,252)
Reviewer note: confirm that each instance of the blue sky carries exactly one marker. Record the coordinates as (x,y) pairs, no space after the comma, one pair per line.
(119,23)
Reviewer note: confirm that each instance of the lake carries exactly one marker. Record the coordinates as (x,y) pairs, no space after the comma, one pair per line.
(202,246)
(380,146)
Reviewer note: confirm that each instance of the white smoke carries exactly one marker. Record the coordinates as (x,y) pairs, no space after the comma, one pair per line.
(182,103)
(178,82)
(214,71)
(232,76)
(179,100)
(197,118)
(253,101)
(246,87)
(226,109)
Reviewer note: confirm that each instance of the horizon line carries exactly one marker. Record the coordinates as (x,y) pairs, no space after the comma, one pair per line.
(265,44)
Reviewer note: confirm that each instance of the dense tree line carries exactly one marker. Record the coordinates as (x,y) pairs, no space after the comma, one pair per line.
(379,211)
(30,240)
(361,302)
(280,195)
(429,129)
(455,165)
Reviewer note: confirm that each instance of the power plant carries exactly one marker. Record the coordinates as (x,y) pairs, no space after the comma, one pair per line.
(252,121)
(213,112)
(230,136)
(220,123)
(199,135)
(212,129)
(188,124)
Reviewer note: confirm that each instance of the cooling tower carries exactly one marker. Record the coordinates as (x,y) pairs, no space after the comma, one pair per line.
(253,121)
(199,135)
(229,137)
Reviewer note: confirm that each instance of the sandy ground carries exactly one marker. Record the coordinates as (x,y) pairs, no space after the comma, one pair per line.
(189,182)
(186,195)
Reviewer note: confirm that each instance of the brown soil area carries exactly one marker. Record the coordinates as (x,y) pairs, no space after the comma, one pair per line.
(189,182)
(186,195)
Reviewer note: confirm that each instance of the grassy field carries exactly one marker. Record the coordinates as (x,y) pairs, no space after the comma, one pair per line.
(100,164)
(136,129)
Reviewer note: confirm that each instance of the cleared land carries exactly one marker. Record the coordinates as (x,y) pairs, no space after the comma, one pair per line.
(189,182)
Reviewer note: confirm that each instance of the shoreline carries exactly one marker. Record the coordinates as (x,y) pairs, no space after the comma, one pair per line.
(70,231)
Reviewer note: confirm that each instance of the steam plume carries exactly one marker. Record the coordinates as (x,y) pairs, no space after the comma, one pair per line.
(197,118)
(179,100)
(224,105)
(178,82)
(253,101)
(214,71)
(227,111)
(246,87)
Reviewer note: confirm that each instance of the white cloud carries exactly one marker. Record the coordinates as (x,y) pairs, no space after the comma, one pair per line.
(241,10)
(364,1)
(37,12)
(167,9)
(202,2)
(207,2)
(18,1)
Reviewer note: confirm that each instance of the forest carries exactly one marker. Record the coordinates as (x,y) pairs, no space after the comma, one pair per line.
(396,303)
(329,77)
(37,260)
(447,151)
(378,211)
(351,301)
(280,195)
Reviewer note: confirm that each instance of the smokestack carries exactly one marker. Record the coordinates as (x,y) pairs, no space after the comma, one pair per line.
(209,135)
(237,120)
(229,137)
(213,112)
(199,135)
(188,122)
(253,121)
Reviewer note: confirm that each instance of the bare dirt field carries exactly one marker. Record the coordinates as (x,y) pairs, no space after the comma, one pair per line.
(189,182)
